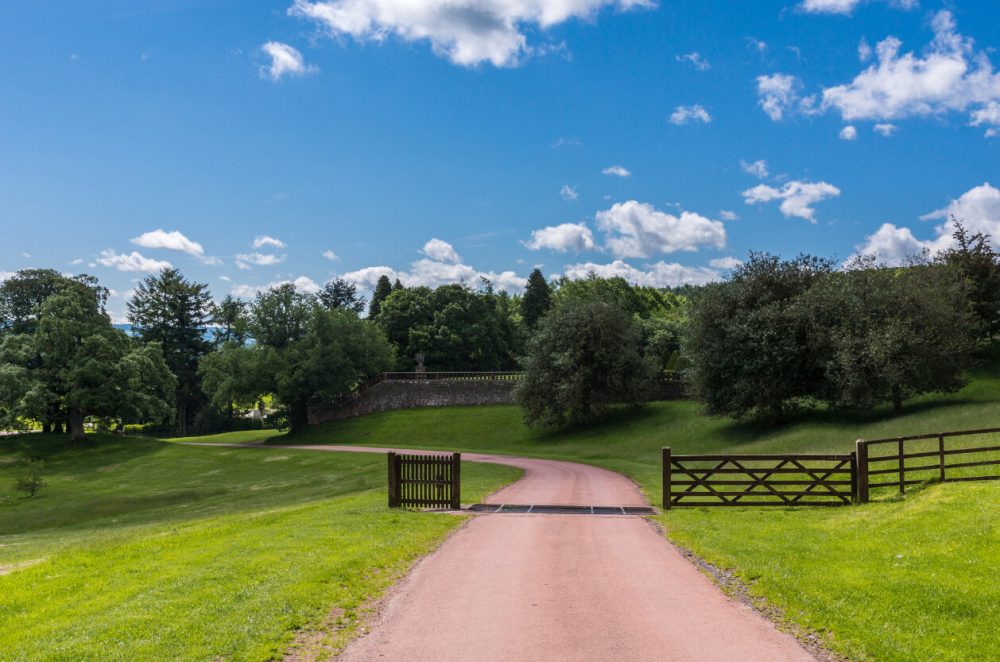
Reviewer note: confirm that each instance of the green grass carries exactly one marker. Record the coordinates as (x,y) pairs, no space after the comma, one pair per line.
(139,549)
(902,579)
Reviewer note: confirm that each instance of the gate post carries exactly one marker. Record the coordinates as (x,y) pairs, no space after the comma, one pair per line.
(666,477)
(393,481)
(861,455)
(456,481)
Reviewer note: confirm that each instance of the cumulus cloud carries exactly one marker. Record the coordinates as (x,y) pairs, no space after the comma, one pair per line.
(777,94)
(568,192)
(797,198)
(441,251)
(659,274)
(562,238)
(695,60)
(688,114)
(847,6)
(285,61)
(949,76)
(616,171)
(173,241)
(330,255)
(728,215)
(467,32)
(244,260)
(636,229)
(978,209)
(757,168)
(302,284)
(261,242)
(849,132)
(726,263)
(885,129)
(133,261)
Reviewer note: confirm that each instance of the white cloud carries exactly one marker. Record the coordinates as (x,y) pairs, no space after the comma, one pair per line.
(172,241)
(864,50)
(847,6)
(330,255)
(757,44)
(637,229)
(757,168)
(688,114)
(260,242)
(729,262)
(467,32)
(302,284)
(849,132)
(778,95)
(796,197)
(617,171)
(949,76)
(988,114)
(695,60)
(978,209)
(285,61)
(728,215)
(566,141)
(568,192)
(133,261)
(441,251)
(244,260)
(78,260)
(562,238)
(367,278)
(6,275)
(885,130)
(659,274)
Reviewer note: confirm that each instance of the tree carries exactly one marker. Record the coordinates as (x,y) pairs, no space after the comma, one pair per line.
(232,322)
(383,288)
(975,260)
(397,286)
(584,356)
(751,348)
(174,312)
(76,362)
(302,352)
(338,294)
(536,300)
(31,479)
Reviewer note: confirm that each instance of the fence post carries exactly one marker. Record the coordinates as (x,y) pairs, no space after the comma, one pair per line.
(941,455)
(902,469)
(861,458)
(666,477)
(393,481)
(854,476)
(456,481)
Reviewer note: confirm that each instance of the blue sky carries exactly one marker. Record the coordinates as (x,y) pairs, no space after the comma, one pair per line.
(657,140)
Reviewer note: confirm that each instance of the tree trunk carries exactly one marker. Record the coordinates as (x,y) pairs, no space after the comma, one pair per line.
(76,432)
(57,427)
(897,401)
(298,417)
(46,427)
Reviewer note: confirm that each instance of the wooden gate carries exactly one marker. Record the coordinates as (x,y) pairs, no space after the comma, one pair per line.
(425,481)
(758,480)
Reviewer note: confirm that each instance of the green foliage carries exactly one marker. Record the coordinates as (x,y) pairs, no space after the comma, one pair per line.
(585,355)
(23,293)
(30,481)
(536,300)
(979,264)
(338,294)
(454,327)
(302,352)
(175,313)
(383,288)
(232,322)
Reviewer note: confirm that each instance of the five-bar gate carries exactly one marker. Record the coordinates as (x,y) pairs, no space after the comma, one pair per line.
(425,481)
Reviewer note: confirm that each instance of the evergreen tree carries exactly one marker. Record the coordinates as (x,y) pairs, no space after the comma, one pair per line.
(338,294)
(382,290)
(978,263)
(397,286)
(536,300)
(175,312)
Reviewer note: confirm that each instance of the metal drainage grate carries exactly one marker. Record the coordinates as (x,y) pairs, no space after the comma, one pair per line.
(561,509)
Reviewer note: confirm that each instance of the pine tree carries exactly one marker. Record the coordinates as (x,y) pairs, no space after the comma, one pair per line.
(176,313)
(537,299)
(382,290)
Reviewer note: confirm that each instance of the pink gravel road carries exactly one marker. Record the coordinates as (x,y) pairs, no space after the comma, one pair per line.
(509,587)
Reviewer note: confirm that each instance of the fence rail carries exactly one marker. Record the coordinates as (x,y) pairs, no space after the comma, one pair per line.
(890,469)
(758,480)
(458,375)
(425,481)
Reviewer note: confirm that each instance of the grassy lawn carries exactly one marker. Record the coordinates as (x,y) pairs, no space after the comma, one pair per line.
(901,579)
(139,549)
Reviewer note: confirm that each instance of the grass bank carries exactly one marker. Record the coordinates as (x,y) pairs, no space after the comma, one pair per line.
(138,549)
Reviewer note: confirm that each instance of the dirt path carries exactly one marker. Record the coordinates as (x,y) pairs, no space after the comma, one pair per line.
(508,588)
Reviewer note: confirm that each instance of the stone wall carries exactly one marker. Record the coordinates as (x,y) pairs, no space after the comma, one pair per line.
(408,394)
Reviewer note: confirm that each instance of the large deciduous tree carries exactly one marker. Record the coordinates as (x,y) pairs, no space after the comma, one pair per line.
(338,294)
(975,259)
(174,312)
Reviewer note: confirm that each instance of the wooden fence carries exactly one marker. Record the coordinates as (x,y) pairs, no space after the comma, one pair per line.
(758,480)
(425,481)
(882,463)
